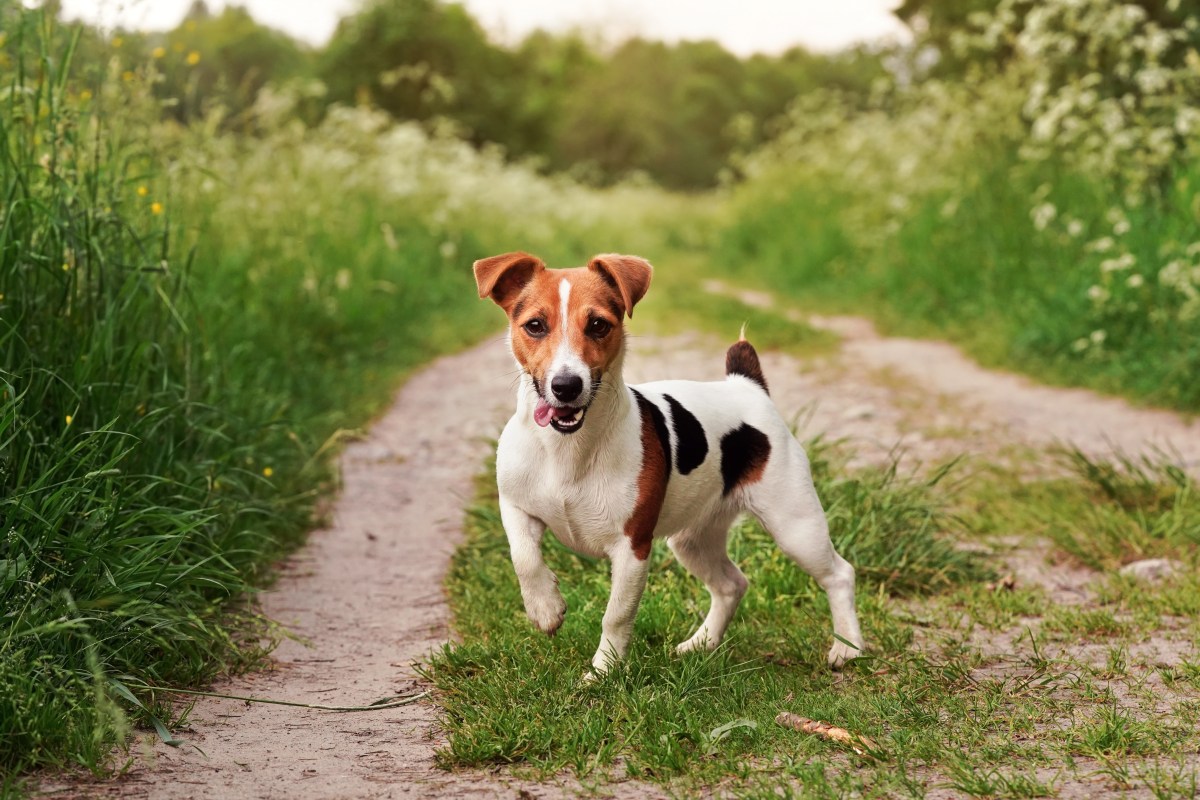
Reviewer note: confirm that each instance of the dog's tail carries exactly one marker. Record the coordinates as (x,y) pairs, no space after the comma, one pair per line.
(741,359)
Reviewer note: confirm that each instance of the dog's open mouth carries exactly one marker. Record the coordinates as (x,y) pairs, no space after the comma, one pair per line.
(564,419)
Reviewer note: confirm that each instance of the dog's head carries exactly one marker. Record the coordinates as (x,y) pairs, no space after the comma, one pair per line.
(566,324)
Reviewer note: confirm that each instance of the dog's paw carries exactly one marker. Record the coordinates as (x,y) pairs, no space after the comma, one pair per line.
(700,642)
(841,652)
(547,612)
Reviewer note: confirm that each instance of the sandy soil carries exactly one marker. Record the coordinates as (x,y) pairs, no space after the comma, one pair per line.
(366,592)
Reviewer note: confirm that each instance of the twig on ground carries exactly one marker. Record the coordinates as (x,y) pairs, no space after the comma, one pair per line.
(858,743)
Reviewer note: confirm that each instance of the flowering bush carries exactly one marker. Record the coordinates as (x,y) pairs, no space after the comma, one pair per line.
(1047,205)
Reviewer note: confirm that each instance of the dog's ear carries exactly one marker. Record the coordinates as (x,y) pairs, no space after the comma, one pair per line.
(630,275)
(502,277)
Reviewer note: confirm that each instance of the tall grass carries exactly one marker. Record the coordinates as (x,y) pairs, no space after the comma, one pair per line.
(189,322)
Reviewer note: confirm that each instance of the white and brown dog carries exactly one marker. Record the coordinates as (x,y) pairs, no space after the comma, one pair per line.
(610,467)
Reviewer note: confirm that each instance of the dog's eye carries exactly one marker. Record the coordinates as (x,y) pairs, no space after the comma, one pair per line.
(598,328)
(535,328)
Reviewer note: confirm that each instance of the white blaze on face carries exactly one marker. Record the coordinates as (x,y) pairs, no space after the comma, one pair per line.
(566,361)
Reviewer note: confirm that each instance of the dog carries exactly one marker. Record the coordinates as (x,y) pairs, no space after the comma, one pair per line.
(610,467)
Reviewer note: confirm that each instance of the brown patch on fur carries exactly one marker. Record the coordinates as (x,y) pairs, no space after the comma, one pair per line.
(742,359)
(652,479)
(629,275)
(502,277)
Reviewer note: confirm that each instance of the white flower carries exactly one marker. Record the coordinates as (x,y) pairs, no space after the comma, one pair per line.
(1098,337)
(1134,281)
(1043,215)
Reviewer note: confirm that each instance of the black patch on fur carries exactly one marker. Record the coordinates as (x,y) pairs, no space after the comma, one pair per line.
(741,359)
(691,445)
(660,422)
(744,454)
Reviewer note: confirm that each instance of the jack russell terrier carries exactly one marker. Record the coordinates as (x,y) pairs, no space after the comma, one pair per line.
(610,467)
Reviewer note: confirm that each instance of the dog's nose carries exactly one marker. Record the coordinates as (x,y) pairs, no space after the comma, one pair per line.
(566,387)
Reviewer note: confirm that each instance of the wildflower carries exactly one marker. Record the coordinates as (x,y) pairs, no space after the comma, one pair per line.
(117,41)
(1134,281)
(142,191)
(193,58)
(156,207)
(1098,337)
(1122,262)
(1043,215)
(1101,245)
(1097,294)
(1,296)
(127,75)
(1074,228)
(66,266)
(85,95)
(268,472)
(159,52)
(1081,344)
(70,419)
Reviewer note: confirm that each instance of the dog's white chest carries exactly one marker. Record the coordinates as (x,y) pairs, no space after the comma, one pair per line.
(585,508)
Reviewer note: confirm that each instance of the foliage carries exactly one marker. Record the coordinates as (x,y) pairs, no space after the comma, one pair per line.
(674,113)
(1045,212)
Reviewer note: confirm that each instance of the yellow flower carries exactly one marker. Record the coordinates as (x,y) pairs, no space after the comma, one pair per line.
(127,75)
(159,52)
(193,58)
(66,267)
(117,41)
(177,47)
(69,419)
(1,295)
(268,472)
(142,191)
(85,95)
(156,208)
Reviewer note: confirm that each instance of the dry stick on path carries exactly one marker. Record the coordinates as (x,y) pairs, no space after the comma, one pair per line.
(858,743)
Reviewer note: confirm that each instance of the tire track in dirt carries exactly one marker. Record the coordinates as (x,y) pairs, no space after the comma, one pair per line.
(366,594)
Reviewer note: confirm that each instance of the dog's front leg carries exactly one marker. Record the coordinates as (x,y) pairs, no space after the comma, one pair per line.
(628,581)
(544,604)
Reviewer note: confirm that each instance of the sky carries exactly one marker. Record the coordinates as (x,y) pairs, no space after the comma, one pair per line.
(742,26)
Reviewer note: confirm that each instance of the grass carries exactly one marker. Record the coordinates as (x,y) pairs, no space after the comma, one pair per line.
(983,691)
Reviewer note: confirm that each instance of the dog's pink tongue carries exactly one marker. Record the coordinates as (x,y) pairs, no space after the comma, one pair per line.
(542,413)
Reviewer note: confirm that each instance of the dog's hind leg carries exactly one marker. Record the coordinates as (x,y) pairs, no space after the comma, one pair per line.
(703,553)
(786,502)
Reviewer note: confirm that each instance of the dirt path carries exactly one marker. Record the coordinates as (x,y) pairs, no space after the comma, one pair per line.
(366,592)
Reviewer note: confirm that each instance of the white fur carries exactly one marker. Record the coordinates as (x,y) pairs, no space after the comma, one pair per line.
(566,361)
(583,486)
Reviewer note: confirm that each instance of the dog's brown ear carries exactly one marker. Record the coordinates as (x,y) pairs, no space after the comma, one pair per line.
(502,277)
(629,274)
